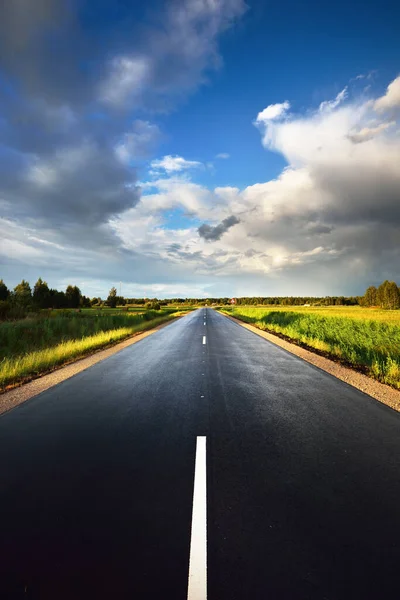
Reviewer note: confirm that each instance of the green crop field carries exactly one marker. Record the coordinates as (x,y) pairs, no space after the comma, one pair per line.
(35,345)
(364,338)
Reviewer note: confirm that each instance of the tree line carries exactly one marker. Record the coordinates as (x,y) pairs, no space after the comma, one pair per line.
(296,300)
(387,296)
(23,298)
(17,302)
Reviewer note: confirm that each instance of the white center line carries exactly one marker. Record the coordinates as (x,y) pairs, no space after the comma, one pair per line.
(197,584)
(204,339)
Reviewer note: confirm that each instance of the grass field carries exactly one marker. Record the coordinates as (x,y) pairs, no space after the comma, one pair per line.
(37,345)
(364,338)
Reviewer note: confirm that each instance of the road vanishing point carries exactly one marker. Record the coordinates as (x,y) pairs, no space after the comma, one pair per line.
(201,462)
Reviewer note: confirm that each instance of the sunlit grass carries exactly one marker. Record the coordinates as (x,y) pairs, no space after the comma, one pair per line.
(364,338)
(354,312)
(27,335)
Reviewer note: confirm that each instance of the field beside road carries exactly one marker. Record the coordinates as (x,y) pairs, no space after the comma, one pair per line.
(363,338)
(36,345)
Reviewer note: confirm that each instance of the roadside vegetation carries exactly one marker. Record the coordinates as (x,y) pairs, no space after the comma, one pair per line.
(367,339)
(46,331)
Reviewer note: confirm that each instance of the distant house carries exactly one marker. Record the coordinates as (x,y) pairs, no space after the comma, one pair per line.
(233,300)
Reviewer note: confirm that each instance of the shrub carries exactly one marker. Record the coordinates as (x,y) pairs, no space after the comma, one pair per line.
(153,305)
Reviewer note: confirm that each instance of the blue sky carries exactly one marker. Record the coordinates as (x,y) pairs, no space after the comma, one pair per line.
(200,147)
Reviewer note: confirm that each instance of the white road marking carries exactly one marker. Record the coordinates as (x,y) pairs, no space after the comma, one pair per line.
(204,339)
(197,584)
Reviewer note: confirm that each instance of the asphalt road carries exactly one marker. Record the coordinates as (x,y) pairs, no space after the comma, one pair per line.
(303,476)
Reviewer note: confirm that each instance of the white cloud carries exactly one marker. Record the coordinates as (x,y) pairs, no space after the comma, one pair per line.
(159,290)
(329,220)
(341,193)
(391,99)
(19,251)
(313,137)
(223,155)
(176,192)
(227,192)
(329,105)
(174,164)
(273,112)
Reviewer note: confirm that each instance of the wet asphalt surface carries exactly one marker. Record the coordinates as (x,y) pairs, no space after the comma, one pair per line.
(303,476)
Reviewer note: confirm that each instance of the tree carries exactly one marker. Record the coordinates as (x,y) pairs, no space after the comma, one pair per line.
(73,296)
(389,295)
(153,304)
(370,296)
(57,299)
(4,291)
(85,302)
(112,298)
(22,295)
(41,294)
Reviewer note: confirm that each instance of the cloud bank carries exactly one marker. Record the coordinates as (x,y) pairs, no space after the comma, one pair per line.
(76,120)
(330,221)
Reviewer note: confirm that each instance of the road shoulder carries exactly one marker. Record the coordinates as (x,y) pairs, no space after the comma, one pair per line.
(379,391)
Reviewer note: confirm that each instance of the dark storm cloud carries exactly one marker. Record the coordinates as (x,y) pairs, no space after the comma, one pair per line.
(318,229)
(58,167)
(211,234)
(362,195)
(83,184)
(22,21)
(46,50)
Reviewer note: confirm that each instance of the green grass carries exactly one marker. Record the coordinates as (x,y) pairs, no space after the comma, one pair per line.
(34,346)
(27,335)
(363,338)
